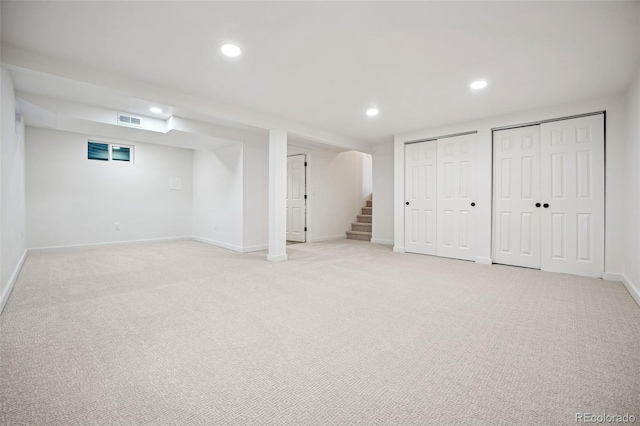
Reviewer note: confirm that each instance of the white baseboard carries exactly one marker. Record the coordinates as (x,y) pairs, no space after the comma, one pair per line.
(102,245)
(221,244)
(397,249)
(251,249)
(12,281)
(246,249)
(382,241)
(483,260)
(329,238)
(277,258)
(612,276)
(633,289)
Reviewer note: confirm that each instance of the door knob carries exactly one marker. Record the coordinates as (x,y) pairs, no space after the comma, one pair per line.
(545,205)
(407,203)
(473,204)
(538,205)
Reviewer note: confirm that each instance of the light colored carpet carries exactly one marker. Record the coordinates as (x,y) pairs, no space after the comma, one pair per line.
(345,332)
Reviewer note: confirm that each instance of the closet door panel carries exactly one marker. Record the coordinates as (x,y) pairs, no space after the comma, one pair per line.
(516,190)
(572,177)
(420,194)
(456,191)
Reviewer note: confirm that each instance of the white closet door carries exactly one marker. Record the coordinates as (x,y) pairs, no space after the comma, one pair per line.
(420,197)
(572,165)
(296,203)
(516,196)
(456,216)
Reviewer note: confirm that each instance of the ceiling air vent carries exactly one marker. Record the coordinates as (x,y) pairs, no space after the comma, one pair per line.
(129,120)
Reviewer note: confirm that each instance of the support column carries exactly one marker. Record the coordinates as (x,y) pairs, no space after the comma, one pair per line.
(277,195)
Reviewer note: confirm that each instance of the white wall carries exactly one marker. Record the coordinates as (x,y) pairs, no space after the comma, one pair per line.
(256,196)
(12,189)
(218,197)
(615,179)
(75,201)
(337,185)
(383,194)
(632,190)
(366,177)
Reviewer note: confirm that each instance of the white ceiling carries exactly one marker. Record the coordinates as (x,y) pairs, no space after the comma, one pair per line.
(321,64)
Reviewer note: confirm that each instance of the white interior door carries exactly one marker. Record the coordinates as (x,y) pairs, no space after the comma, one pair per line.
(572,178)
(516,196)
(456,189)
(420,197)
(296,198)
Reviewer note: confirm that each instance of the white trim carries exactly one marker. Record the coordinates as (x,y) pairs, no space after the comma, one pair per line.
(382,241)
(397,249)
(251,249)
(484,260)
(12,281)
(329,238)
(633,290)
(101,245)
(239,249)
(612,276)
(221,244)
(277,258)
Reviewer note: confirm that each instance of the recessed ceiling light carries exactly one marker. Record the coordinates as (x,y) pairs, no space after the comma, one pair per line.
(372,112)
(479,84)
(231,50)
(156,110)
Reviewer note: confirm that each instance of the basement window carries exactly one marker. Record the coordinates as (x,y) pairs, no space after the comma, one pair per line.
(98,151)
(109,152)
(120,153)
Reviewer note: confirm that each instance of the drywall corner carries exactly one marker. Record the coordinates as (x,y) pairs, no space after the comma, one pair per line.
(6,293)
(12,186)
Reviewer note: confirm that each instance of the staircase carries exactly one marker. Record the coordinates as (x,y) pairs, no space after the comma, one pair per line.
(361,230)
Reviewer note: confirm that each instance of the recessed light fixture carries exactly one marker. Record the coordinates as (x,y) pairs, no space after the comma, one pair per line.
(231,50)
(478,84)
(372,112)
(156,110)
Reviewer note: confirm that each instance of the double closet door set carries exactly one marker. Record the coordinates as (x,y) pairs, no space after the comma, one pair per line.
(440,190)
(548,196)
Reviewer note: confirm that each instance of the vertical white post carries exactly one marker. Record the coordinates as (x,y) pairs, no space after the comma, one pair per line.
(277,195)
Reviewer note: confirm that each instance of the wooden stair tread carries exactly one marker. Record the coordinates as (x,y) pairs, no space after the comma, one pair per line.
(362,223)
